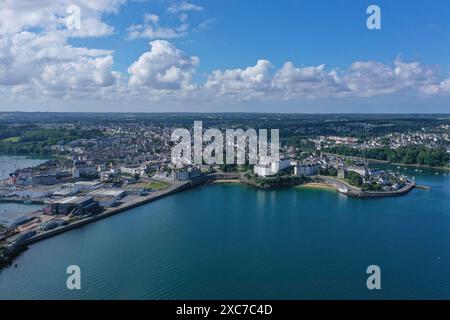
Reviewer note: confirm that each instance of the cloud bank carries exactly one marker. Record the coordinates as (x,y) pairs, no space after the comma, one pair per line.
(36,61)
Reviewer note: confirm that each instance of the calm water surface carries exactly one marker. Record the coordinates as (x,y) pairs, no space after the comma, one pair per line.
(9,164)
(231,241)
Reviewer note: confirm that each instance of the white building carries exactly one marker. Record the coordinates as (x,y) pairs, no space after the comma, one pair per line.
(306,169)
(86,185)
(107,197)
(272,168)
(262,170)
(81,168)
(134,170)
(280,165)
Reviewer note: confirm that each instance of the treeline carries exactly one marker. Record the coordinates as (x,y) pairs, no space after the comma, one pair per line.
(419,155)
(34,140)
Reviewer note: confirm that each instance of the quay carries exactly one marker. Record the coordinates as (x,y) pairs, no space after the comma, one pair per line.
(174,188)
(352,191)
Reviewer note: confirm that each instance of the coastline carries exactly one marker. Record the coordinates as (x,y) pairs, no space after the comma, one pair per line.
(316,185)
(422,166)
(375,161)
(319,182)
(110,212)
(226,181)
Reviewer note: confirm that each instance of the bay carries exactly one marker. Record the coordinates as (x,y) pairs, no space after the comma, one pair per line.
(236,242)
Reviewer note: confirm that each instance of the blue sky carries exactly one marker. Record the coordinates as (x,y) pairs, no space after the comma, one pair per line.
(155,55)
(303,31)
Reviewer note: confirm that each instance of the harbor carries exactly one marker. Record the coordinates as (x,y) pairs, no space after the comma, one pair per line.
(288,236)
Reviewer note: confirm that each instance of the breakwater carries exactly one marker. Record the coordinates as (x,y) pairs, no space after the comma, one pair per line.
(353,191)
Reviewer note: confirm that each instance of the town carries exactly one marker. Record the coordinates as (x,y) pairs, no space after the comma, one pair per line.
(98,168)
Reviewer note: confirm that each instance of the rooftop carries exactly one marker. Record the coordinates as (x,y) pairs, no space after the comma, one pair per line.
(74,200)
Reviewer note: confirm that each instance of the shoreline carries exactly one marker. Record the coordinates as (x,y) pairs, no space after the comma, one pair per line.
(42,235)
(110,212)
(226,181)
(316,185)
(320,183)
(422,166)
(377,161)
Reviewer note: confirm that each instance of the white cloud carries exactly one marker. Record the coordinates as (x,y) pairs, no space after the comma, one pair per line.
(370,78)
(37,61)
(307,82)
(361,79)
(151,29)
(35,56)
(242,83)
(164,67)
(17,16)
(183,7)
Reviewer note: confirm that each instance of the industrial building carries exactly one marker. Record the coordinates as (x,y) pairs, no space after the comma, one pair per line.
(75,205)
(107,197)
(86,185)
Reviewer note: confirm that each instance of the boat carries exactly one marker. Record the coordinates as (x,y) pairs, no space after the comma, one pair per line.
(342,190)
(28,201)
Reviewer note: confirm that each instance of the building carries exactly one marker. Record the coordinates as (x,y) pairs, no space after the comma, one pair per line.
(107,197)
(262,170)
(44,179)
(32,192)
(343,140)
(134,170)
(272,168)
(361,170)
(86,185)
(108,176)
(75,205)
(179,175)
(280,165)
(81,168)
(194,173)
(342,173)
(310,169)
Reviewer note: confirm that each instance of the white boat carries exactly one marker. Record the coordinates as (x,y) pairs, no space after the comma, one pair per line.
(343,190)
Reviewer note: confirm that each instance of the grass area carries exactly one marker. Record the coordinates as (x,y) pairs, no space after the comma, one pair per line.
(11,139)
(156,185)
